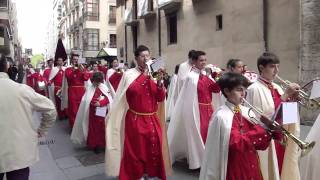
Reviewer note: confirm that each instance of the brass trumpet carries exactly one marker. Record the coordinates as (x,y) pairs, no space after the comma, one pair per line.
(304,146)
(305,100)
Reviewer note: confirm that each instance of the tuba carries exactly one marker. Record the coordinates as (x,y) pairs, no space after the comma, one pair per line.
(305,100)
(304,146)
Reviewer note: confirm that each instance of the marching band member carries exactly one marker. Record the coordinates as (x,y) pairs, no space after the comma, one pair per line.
(47,71)
(235,65)
(73,87)
(89,126)
(278,160)
(39,82)
(55,84)
(115,74)
(184,69)
(187,131)
(27,79)
(233,140)
(136,135)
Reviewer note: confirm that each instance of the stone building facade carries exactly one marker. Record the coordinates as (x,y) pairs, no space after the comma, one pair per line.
(224,29)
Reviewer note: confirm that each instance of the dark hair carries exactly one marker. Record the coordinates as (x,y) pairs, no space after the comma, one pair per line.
(3,63)
(176,69)
(197,54)
(232,63)
(140,49)
(191,54)
(73,55)
(97,77)
(230,80)
(267,58)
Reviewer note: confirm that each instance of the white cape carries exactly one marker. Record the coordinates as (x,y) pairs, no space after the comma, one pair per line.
(268,158)
(115,124)
(215,161)
(184,136)
(171,100)
(80,130)
(52,75)
(184,69)
(310,164)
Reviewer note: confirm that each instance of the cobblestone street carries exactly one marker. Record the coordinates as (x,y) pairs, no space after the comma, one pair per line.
(62,160)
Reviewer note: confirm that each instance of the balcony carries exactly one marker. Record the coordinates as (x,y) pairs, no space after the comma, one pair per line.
(145,9)
(129,20)
(169,5)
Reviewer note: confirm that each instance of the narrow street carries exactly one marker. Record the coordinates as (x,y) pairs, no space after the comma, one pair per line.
(62,160)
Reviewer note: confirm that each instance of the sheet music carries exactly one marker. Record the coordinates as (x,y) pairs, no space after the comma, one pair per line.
(157,64)
(101,111)
(290,112)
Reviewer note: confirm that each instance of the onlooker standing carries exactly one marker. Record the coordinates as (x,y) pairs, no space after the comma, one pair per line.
(18,137)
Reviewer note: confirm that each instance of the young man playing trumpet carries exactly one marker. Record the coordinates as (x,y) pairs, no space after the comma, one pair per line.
(279,160)
(233,137)
(73,87)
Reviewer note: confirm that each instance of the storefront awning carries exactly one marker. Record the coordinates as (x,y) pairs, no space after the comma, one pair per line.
(105,52)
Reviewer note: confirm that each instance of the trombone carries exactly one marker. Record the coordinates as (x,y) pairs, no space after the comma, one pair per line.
(305,100)
(305,147)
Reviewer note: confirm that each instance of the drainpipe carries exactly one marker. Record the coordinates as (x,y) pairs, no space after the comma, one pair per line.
(125,36)
(159,31)
(265,24)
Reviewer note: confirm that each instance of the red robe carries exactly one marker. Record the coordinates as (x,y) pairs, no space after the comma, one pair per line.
(29,79)
(142,152)
(46,74)
(115,80)
(205,89)
(104,70)
(37,77)
(245,140)
(76,90)
(280,149)
(96,130)
(57,81)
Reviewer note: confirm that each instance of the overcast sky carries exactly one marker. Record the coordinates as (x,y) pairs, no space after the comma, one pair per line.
(33,18)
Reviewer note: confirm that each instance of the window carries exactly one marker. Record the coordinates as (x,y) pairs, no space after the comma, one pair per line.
(113,40)
(134,37)
(172,28)
(2,31)
(150,5)
(219,22)
(3,3)
(91,39)
(112,15)
(92,10)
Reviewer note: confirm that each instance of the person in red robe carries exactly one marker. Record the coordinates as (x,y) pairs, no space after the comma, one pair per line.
(143,136)
(28,75)
(103,69)
(47,71)
(39,82)
(76,77)
(96,134)
(115,74)
(205,88)
(55,80)
(268,96)
(233,134)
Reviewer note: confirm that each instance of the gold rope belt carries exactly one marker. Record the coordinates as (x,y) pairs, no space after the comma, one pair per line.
(205,104)
(142,114)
